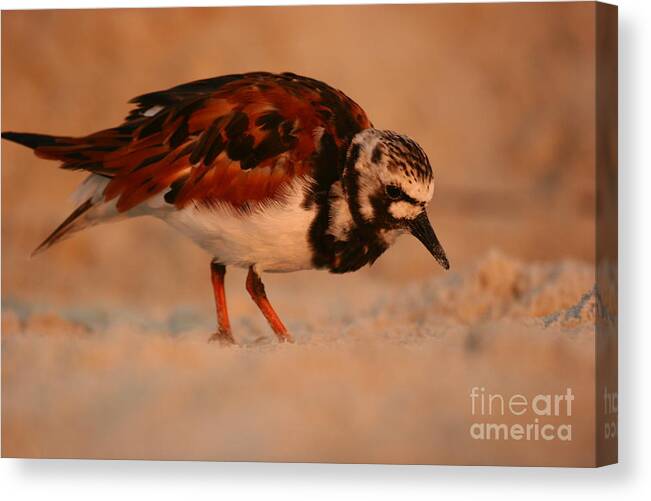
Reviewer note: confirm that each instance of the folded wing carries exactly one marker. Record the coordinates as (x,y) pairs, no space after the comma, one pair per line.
(236,139)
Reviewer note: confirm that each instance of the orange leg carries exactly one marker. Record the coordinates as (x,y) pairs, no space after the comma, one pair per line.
(255,287)
(223,334)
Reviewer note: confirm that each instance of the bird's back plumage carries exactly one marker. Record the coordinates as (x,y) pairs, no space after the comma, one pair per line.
(235,139)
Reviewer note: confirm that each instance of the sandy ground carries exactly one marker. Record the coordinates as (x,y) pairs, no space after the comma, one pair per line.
(104,349)
(384,381)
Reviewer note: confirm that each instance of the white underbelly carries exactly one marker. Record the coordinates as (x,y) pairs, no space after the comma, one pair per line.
(273,237)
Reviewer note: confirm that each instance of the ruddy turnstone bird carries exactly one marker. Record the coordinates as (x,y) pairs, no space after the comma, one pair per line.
(270,172)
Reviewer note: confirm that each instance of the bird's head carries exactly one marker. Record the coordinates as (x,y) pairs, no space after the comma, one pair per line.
(388,183)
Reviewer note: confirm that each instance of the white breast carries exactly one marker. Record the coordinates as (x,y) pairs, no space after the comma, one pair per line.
(273,236)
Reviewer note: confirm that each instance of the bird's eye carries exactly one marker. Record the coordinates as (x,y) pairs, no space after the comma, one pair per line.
(393,192)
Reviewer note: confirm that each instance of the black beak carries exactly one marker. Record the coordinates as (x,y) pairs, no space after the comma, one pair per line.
(421,228)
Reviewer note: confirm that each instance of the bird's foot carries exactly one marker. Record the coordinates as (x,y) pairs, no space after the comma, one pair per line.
(284,337)
(223,336)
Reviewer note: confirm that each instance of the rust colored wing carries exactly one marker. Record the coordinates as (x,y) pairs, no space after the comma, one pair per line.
(236,139)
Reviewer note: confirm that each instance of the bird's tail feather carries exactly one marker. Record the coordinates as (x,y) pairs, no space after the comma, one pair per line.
(30,140)
(85,153)
(71,224)
(75,153)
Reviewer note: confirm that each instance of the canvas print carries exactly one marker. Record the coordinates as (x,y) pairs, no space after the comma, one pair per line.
(358,234)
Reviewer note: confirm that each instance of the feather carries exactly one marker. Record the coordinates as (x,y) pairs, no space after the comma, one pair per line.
(235,139)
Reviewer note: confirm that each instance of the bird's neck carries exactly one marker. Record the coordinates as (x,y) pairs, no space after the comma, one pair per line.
(340,242)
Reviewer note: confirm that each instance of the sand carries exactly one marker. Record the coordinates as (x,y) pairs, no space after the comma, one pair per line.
(384,382)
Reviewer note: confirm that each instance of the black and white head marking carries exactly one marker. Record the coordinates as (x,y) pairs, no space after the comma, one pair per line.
(388,183)
(388,179)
